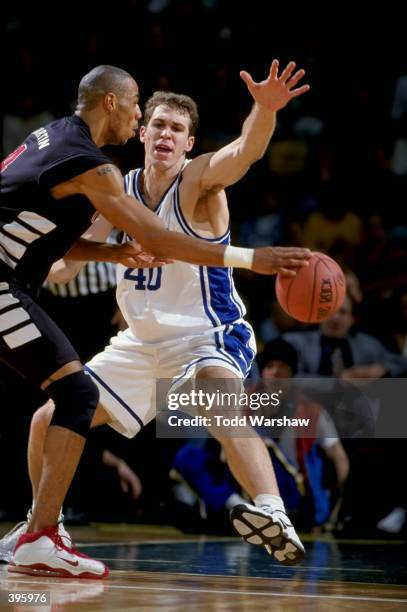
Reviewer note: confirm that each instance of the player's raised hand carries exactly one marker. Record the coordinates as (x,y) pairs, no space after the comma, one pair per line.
(132,255)
(276,90)
(280,260)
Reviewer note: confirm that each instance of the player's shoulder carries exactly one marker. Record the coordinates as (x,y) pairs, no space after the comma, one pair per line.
(70,135)
(193,168)
(76,133)
(130,181)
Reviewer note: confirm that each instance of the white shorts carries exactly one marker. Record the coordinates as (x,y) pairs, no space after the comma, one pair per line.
(126,372)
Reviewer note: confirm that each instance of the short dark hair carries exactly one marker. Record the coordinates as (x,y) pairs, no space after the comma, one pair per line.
(100,81)
(183,104)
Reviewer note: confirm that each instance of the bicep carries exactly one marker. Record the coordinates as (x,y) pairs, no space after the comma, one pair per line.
(224,167)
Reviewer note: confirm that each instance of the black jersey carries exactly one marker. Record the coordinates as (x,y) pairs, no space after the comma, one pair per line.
(35,228)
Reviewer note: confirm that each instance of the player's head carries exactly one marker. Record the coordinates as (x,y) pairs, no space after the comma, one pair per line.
(170,123)
(114,93)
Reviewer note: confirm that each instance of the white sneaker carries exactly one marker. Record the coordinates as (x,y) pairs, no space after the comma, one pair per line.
(271,528)
(9,541)
(46,553)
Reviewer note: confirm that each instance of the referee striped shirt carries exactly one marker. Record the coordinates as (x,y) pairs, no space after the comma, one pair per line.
(94,277)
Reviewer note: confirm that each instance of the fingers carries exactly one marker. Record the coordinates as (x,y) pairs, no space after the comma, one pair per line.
(295,78)
(286,272)
(296,263)
(274,69)
(296,252)
(287,72)
(163,262)
(299,91)
(151,264)
(291,82)
(245,76)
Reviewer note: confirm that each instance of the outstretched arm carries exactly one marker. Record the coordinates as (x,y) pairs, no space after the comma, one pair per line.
(103,186)
(230,163)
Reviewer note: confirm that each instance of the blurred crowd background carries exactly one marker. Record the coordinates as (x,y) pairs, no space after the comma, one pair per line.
(333,179)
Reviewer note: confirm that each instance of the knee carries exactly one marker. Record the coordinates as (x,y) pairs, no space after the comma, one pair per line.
(42,418)
(76,397)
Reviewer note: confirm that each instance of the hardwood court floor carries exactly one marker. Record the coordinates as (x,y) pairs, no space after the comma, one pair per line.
(157,568)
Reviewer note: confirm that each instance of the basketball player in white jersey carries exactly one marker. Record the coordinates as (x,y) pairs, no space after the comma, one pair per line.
(187,320)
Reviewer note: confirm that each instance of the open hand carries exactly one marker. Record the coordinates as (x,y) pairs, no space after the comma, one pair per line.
(280,260)
(276,91)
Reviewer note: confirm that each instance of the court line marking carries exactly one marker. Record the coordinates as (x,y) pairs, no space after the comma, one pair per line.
(260,593)
(294,569)
(144,560)
(235,592)
(232,539)
(153,542)
(299,567)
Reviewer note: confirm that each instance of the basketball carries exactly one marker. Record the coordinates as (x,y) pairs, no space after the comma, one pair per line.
(315,293)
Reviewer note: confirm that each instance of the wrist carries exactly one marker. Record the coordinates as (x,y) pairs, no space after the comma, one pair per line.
(237,257)
(109,253)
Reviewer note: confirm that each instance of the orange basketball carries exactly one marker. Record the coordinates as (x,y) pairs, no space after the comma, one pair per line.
(315,293)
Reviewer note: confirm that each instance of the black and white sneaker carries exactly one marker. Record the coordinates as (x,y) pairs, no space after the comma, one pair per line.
(270,528)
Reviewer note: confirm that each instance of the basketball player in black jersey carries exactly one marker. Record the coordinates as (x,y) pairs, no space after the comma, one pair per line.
(52,187)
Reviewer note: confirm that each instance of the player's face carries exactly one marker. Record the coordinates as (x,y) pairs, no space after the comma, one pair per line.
(166,137)
(126,115)
(339,324)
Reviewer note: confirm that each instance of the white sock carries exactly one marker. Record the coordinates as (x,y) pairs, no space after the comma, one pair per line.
(274,501)
(29,513)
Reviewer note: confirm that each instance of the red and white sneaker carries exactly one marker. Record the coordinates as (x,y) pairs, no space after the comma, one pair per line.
(46,553)
(9,541)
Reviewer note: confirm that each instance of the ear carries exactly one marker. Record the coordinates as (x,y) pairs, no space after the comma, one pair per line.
(110,102)
(190,143)
(142,133)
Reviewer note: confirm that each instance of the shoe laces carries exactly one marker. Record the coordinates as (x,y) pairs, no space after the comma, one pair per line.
(61,544)
(281,516)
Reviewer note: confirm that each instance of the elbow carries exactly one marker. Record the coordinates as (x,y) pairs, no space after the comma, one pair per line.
(245,156)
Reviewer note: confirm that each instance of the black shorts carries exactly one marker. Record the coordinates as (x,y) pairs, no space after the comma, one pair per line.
(30,341)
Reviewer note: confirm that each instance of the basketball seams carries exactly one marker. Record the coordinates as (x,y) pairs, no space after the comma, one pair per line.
(288,295)
(314,280)
(333,306)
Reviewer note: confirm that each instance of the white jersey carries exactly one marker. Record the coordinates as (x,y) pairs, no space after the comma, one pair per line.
(178,300)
